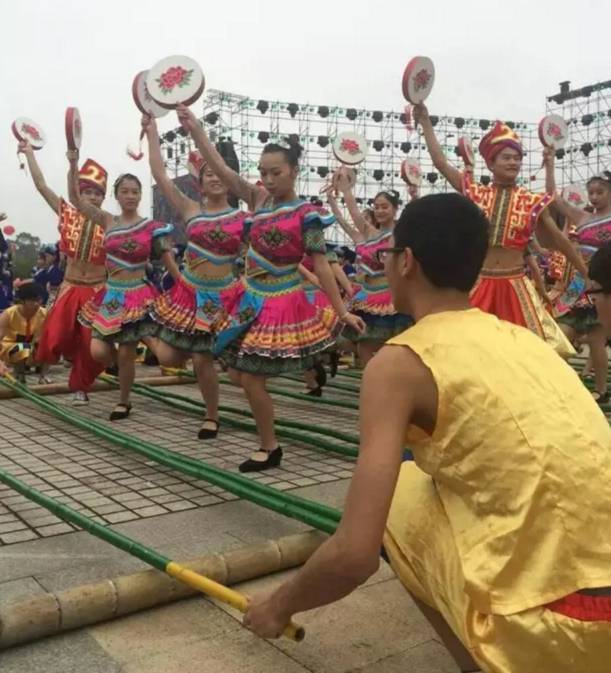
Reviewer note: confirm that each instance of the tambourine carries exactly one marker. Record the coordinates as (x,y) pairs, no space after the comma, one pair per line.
(575,195)
(26,130)
(350,148)
(411,173)
(418,79)
(74,128)
(553,132)
(143,99)
(465,150)
(175,80)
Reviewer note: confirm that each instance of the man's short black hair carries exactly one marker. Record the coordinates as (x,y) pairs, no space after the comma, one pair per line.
(448,235)
(600,267)
(28,291)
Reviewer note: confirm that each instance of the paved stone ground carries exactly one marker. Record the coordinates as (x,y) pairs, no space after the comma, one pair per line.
(182,518)
(112,485)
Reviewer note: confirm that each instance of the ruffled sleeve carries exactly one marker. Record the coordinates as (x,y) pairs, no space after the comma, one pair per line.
(315,221)
(161,240)
(162,229)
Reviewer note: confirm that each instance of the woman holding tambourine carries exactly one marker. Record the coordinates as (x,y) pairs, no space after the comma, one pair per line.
(372,302)
(119,313)
(190,313)
(592,231)
(273,328)
(515,214)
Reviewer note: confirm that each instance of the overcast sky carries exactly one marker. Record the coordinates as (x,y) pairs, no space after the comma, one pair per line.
(493,59)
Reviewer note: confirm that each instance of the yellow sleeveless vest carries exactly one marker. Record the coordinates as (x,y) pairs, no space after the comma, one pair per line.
(521,459)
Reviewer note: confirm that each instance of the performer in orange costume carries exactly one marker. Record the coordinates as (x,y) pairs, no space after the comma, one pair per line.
(82,241)
(515,214)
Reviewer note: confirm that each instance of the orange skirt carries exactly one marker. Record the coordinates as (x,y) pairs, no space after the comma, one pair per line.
(510,295)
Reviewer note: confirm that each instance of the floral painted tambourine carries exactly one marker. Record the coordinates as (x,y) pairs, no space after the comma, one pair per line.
(575,195)
(350,148)
(465,151)
(143,99)
(74,128)
(553,132)
(418,79)
(175,80)
(26,130)
(411,173)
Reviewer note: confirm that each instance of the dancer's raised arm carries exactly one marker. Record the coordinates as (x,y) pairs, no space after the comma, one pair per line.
(343,183)
(187,207)
(352,231)
(236,184)
(440,161)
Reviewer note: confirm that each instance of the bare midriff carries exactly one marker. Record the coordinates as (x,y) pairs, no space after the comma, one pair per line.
(206,269)
(79,271)
(499,258)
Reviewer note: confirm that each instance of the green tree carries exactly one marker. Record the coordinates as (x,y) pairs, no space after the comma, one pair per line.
(27,248)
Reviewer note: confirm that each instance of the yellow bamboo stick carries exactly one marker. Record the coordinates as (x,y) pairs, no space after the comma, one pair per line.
(224,594)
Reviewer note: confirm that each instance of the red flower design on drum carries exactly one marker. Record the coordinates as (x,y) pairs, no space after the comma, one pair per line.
(350,146)
(176,76)
(554,131)
(30,131)
(422,79)
(575,198)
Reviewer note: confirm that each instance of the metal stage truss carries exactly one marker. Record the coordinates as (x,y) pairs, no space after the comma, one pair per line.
(588,113)
(250,123)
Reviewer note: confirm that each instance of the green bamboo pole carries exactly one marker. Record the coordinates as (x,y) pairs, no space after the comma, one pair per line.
(165,394)
(140,551)
(312,513)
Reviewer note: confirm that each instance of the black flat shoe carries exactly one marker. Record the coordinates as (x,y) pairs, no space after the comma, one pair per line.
(601,398)
(314,392)
(253,465)
(208,433)
(120,412)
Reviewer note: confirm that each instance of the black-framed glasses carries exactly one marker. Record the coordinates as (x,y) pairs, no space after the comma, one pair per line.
(382,253)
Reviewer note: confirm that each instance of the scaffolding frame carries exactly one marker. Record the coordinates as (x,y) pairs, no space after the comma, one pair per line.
(587,111)
(250,122)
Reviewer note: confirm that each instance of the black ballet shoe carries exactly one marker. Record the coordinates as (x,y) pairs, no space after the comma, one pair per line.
(253,465)
(120,412)
(208,433)
(333,363)
(314,392)
(321,374)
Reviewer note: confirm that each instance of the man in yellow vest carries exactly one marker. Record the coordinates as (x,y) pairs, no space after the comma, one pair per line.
(500,528)
(20,330)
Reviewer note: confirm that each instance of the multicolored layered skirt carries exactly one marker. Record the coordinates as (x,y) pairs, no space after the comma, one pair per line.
(194,309)
(373,303)
(510,295)
(573,307)
(120,311)
(318,298)
(273,328)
